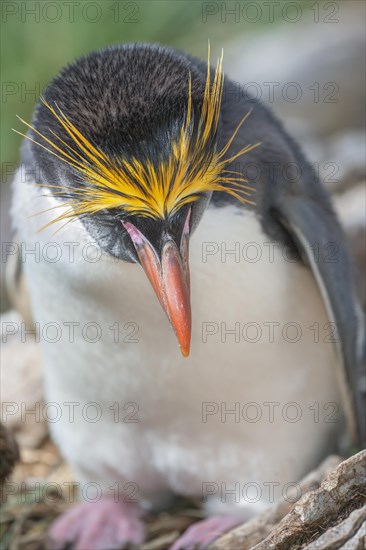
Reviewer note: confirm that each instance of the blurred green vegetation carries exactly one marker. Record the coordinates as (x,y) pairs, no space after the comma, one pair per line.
(39,37)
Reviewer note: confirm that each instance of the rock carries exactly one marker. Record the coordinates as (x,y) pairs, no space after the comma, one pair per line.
(341,533)
(328,68)
(342,490)
(350,206)
(9,453)
(343,164)
(252,532)
(358,541)
(21,382)
(336,507)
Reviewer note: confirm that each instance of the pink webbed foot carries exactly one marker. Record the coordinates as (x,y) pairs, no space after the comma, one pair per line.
(203,533)
(102,525)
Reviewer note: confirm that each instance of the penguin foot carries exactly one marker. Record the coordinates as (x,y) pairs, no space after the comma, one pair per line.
(102,525)
(203,533)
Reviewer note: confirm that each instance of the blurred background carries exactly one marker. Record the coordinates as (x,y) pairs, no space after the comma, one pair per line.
(305,59)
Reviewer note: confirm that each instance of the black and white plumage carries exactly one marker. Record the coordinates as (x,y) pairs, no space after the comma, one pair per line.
(130,101)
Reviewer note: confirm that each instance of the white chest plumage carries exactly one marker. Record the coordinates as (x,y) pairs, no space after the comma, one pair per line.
(255,403)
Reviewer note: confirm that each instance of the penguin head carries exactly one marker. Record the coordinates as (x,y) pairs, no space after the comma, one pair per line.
(127,140)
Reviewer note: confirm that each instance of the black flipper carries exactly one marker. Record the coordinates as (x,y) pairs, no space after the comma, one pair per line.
(322,246)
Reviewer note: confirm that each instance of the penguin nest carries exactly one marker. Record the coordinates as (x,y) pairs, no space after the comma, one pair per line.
(26,516)
(332,505)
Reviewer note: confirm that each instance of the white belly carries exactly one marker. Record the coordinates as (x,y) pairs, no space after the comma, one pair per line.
(275,370)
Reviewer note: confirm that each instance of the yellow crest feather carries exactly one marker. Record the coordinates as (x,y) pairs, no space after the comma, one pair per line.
(140,187)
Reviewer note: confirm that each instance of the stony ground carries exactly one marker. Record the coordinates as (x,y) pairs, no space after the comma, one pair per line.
(27,514)
(331,513)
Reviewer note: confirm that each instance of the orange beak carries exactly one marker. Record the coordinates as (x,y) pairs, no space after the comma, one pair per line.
(169,277)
